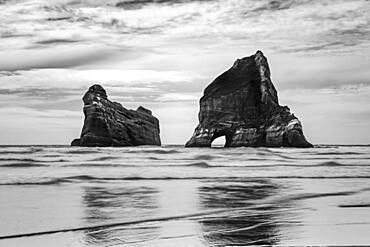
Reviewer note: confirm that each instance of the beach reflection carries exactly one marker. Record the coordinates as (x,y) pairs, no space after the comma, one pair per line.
(119,204)
(234,223)
(238,226)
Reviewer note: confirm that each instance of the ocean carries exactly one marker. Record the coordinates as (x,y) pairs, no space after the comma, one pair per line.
(176,196)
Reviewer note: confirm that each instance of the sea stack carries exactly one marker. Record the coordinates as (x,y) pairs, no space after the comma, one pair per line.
(242,105)
(108,123)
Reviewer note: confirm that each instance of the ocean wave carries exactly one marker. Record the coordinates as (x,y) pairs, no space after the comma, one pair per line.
(337,153)
(51,155)
(84,178)
(330,163)
(316,177)
(204,157)
(196,164)
(155,151)
(42,182)
(23,165)
(97,165)
(81,151)
(55,181)
(16,152)
(32,160)
(105,158)
(28,150)
(358,205)
(155,158)
(199,164)
(203,164)
(323,164)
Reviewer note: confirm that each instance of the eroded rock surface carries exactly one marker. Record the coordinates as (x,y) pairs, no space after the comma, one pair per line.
(108,123)
(242,105)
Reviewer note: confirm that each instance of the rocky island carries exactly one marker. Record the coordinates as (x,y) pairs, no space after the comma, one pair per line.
(108,123)
(242,105)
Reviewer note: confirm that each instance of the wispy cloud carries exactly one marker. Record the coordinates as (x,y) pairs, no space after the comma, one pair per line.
(284,23)
(63,57)
(57,41)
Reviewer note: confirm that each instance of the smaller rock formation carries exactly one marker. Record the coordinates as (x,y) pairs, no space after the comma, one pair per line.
(242,105)
(108,123)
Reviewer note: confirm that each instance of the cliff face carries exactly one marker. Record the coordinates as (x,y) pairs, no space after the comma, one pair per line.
(242,105)
(108,123)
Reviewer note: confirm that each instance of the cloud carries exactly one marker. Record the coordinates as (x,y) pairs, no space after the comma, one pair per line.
(61,18)
(30,112)
(34,92)
(65,34)
(137,4)
(63,57)
(57,41)
(317,47)
(277,23)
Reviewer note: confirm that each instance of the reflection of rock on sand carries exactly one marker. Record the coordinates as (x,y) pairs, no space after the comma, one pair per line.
(233,223)
(119,204)
(238,226)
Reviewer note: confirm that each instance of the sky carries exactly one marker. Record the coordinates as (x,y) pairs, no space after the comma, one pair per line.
(161,54)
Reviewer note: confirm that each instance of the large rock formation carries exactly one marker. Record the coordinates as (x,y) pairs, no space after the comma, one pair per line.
(108,123)
(242,105)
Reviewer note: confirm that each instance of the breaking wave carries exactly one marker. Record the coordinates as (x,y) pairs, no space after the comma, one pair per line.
(84,178)
(31,160)
(155,151)
(23,165)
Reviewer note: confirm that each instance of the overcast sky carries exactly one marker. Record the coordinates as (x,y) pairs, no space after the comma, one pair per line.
(161,54)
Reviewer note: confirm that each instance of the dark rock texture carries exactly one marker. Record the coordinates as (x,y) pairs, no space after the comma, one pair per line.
(108,123)
(242,105)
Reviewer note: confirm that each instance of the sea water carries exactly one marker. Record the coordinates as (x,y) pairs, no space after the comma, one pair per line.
(176,196)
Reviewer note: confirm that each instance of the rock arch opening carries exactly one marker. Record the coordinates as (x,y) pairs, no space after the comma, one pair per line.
(219,142)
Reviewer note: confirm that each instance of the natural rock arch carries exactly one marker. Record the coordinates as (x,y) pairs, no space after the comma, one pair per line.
(242,104)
